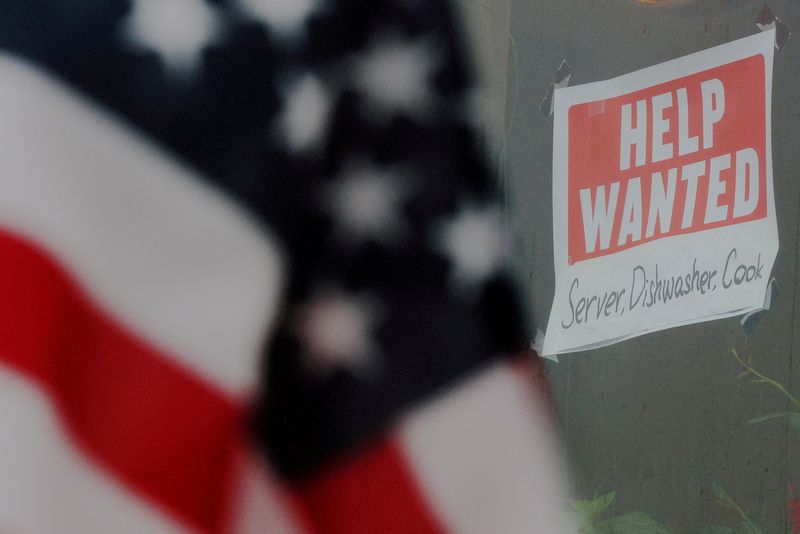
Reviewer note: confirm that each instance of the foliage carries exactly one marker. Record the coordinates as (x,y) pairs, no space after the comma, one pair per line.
(588,513)
(791,416)
(756,377)
(747,526)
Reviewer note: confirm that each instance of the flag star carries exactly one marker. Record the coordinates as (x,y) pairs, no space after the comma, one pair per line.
(335,329)
(177,30)
(475,244)
(306,109)
(394,75)
(285,17)
(365,202)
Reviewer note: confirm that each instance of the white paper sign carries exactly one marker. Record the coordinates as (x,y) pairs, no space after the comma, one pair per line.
(663,203)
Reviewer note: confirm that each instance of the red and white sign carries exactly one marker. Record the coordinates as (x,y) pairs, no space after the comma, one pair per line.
(663,204)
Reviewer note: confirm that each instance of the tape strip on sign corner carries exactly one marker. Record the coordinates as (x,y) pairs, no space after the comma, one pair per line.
(752,319)
(562,78)
(768,21)
(537,345)
(663,205)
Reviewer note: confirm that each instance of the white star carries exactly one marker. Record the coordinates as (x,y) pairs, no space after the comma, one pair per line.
(394,75)
(285,17)
(306,108)
(177,30)
(335,329)
(366,202)
(474,242)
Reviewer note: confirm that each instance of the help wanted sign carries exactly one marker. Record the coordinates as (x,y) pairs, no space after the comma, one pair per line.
(663,203)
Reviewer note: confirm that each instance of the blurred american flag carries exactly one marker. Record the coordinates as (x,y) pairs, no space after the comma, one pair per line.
(253,278)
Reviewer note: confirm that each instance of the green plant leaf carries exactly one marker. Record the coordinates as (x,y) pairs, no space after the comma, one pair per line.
(584,516)
(770,416)
(584,508)
(632,523)
(595,506)
(723,497)
(587,511)
(748,526)
(602,502)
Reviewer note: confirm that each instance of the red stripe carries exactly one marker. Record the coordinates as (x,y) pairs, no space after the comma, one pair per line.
(373,492)
(168,434)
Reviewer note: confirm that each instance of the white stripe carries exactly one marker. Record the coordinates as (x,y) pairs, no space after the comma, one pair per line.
(169,256)
(262,504)
(486,458)
(49,486)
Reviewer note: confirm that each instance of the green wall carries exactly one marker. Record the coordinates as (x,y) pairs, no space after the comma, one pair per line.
(658,418)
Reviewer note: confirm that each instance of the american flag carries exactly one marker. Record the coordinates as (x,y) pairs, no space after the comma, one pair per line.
(253,279)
